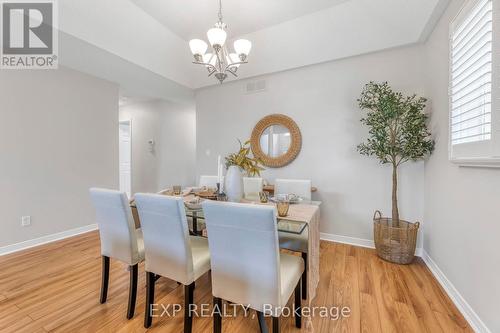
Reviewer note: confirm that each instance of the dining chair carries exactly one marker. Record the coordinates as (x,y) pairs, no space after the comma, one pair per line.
(289,241)
(252,186)
(170,251)
(208,181)
(300,187)
(247,266)
(120,239)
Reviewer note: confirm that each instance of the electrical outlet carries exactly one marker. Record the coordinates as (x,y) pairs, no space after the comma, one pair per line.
(25,221)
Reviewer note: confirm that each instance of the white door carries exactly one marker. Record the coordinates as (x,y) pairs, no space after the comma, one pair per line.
(125,135)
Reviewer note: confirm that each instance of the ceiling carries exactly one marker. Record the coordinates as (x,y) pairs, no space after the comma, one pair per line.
(192,18)
(144,47)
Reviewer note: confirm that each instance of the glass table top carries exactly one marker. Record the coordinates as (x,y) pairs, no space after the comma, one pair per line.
(284,225)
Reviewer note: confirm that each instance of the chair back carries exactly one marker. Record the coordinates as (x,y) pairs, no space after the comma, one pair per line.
(166,236)
(208,181)
(251,187)
(298,187)
(244,252)
(116,225)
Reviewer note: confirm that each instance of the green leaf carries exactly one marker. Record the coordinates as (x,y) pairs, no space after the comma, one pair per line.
(397,125)
(251,165)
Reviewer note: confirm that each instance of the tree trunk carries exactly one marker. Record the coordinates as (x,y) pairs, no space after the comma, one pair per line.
(395,209)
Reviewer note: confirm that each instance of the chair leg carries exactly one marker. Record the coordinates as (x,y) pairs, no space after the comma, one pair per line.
(276,324)
(188,315)
(262,322)
(304,277)
(132,293)
(217,315)
(297,306)
(150,298)
(195,225)
(105,279)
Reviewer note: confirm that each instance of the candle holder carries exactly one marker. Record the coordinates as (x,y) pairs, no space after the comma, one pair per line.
(221,196)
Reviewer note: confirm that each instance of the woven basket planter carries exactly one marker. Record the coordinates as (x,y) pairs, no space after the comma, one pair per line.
(395,242)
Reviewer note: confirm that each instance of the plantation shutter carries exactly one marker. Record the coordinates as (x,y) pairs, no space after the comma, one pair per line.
(472,75)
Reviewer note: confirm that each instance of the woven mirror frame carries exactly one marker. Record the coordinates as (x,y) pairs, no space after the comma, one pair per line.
(295,145)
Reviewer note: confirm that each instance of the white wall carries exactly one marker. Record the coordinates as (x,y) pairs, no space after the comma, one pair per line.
(322,100)
(58,137)
(461,207)
(173,129)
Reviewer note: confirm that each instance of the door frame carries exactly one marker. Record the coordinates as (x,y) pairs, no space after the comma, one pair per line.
(129,122)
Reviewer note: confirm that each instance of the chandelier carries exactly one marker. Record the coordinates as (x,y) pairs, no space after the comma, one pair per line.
(219,62)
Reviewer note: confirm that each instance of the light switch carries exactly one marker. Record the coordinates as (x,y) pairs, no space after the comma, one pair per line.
(25,221)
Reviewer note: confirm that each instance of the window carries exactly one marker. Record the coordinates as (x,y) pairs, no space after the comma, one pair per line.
(474,85)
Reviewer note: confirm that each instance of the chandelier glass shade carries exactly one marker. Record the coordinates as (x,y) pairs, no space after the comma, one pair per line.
(218,61)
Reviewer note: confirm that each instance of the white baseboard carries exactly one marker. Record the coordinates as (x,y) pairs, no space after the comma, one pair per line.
(469,314)
(356,241)
(46,239)
(348,240)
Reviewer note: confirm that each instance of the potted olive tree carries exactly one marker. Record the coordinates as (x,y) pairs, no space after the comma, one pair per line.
(398,133)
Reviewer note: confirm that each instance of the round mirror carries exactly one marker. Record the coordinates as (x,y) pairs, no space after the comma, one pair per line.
(276,140)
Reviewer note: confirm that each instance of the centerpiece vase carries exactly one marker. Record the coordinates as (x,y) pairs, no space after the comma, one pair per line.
(234,184)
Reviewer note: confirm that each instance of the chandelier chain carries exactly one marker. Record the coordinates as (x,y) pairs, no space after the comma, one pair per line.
(220,10)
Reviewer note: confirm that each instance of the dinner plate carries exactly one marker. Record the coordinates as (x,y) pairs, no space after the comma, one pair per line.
(296,200)
(207,195)
(194,204)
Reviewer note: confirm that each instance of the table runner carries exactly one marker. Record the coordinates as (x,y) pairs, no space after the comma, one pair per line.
(311,215)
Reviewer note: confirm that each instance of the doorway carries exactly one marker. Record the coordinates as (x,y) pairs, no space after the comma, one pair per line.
(125,152)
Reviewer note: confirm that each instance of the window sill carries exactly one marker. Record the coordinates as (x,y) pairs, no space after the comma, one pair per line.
(488,162)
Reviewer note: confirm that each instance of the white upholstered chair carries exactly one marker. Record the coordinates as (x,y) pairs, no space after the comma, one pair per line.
(247,266)
(208,181)
(300,187)
(119,238)
(252,186)
(289,241)
(170,251)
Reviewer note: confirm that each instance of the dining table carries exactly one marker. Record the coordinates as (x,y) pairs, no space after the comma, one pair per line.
(302,216)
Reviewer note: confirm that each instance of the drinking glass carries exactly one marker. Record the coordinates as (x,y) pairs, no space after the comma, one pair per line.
(283,205)
(177,189)
(263,197)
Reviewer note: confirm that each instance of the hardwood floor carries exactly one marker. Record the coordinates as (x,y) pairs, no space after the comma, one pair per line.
(55,288)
